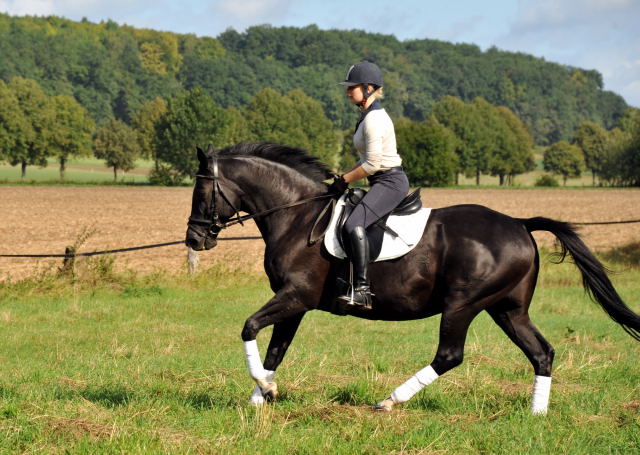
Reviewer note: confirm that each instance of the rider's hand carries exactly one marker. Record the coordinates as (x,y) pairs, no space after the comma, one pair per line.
(339,186)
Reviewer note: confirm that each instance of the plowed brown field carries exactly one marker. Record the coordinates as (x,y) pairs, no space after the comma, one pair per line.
(47,219)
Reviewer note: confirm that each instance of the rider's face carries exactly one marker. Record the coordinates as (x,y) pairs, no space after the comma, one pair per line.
(354,94)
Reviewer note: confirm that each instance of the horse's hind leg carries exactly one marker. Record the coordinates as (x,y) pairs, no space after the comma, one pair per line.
(453,332)
(512,317)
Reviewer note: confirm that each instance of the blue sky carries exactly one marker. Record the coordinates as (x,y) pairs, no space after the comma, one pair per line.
(592,34)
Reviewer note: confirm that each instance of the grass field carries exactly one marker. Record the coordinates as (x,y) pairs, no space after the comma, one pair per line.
(79,170)
(93,171)
(118,363)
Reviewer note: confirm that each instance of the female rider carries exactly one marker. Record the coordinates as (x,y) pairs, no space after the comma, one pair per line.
(379,162)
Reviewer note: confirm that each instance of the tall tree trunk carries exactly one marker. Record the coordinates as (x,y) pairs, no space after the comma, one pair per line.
(477,177)
(501,179)
(115,173)
(564,180)
(23,170)
(63,167)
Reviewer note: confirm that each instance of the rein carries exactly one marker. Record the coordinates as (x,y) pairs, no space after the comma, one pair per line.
(215,225)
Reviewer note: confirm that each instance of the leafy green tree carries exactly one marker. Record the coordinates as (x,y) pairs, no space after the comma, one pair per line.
(32,149)
(454,115)
(621,166)
(294,119)
(117,144)
(474,126)
(238,126)
(514,154)
(323,140)
(630,120)
(563,159)
(192,119)
(427,150)
(14,127)
(348,153)
(273,118)
(144,122)
(71,132)
(592,140)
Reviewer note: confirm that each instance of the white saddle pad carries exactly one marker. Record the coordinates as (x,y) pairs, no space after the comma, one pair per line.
(408,227)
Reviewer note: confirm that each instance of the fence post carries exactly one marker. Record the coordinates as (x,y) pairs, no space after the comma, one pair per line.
(69,262)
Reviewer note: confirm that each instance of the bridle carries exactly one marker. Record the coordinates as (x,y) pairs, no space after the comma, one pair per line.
(214,225)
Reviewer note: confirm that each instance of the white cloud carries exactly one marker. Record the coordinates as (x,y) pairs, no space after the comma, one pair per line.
(28,7)
(250,10)
(592,34)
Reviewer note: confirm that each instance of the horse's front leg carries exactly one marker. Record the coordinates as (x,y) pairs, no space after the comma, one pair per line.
(285,310)
(283,333)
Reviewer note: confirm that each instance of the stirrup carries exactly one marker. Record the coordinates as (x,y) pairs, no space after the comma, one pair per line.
(359,298)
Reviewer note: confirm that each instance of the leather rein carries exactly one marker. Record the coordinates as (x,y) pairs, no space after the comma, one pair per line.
(215,225)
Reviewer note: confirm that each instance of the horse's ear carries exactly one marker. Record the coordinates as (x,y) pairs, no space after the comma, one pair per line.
(201,156)
(210,150)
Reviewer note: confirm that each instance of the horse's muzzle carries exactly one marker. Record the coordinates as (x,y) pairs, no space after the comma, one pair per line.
(198,242)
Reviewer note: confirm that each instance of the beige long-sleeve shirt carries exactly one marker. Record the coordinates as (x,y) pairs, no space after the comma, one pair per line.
(375,141)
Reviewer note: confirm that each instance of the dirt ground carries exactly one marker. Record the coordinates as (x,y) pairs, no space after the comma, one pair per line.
(39,220)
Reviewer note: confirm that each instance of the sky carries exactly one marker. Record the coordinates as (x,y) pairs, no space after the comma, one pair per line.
(593,34)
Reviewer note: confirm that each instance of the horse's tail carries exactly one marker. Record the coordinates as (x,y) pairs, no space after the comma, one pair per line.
(594,275)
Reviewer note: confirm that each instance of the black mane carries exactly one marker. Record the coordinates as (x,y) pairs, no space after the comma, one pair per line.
(297,159)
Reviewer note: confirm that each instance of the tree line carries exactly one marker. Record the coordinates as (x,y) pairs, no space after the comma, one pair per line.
(457,138)
(113,70)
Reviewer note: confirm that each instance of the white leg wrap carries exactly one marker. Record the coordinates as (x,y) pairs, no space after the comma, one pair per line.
(414,385)
(254,364)
(540,395)
(256,397)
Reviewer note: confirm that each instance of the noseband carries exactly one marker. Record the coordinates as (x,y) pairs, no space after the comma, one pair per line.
(214,225)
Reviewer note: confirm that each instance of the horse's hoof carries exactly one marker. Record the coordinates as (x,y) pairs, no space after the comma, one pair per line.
(385,405)
(270,392)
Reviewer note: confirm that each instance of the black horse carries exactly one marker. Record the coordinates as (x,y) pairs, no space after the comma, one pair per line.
(470,259)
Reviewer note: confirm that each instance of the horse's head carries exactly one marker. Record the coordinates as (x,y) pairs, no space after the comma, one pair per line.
(211,206)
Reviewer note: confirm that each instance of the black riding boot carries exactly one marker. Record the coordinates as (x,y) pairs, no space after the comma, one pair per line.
(360,259)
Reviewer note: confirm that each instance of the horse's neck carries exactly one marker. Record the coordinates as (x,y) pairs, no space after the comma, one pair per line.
(266,185)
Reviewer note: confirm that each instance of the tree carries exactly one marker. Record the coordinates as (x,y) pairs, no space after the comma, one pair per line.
(294,119)
(592,140)
(144,122)
(323,140)
(563,159)
(427,150)
(117,144)
(514,154)
(621,165)
(31,149)
(273,118)
(71,132)
(14,127)
(476,134)
(453,114)
(192,119)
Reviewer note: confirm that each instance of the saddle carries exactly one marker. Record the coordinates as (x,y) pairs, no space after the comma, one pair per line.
(392,236)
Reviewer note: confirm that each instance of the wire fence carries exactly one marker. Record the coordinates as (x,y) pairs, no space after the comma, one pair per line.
(177,242)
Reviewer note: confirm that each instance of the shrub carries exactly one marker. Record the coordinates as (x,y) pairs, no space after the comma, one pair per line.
(546,180)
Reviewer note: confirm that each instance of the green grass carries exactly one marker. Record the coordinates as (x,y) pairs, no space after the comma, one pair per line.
(119,363)
(80,170)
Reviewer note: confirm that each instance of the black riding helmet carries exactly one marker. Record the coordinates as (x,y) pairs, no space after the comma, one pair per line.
(364,73)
